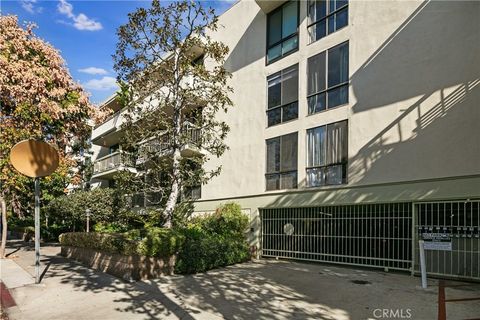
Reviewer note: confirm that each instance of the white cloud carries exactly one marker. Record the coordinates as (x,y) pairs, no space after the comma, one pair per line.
(103,84)
(30,6)
(80,21)
(93,70)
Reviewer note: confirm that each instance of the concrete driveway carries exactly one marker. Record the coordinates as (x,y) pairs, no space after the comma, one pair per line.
(265,289)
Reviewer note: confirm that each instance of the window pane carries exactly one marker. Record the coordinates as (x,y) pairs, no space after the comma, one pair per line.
(274,116)
(331,6)
(273,181)
(338,96)
(316,103)
(274,91)
(337,135)
(334,175)
(274,27)
(290,85)
(315,177)
(290,112)
(321,10)
(318,31)
(289,152)
(289,23)
(341,3)
(273,155)
(274,52)
(289,45)
(316,147)
(338,65)
(288,180)
(341,18)
(316,73)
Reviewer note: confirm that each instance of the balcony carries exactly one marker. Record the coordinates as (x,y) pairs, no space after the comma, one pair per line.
(160,147)
(107,133)
(154,199)
(145,200)
(106,167)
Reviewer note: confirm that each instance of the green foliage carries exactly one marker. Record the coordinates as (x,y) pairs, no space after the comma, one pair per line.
(213,241)
(160,242)
(112,227)
(104,204)
(111,243)
(206,243)
(227,221)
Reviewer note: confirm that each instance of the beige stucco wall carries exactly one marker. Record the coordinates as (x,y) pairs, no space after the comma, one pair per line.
(413,112)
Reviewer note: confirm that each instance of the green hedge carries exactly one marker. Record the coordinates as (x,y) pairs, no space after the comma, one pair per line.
(111,243)
(213,241)
(207,242)
(156,242)
(202,251)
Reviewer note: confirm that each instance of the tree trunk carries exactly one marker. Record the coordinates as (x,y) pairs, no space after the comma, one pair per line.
(173,197)
(4,227)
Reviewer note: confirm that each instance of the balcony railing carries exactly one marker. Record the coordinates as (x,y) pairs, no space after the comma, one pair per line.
(147,199)
(161,145)
(113,161)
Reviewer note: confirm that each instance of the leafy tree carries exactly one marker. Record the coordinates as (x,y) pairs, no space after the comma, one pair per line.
(38,100)
(105,205)
(173,85)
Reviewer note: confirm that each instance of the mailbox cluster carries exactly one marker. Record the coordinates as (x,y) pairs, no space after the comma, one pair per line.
(454,232)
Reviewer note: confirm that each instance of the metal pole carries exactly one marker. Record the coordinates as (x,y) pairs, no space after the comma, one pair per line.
(87,213)
(37,230)
(423,268)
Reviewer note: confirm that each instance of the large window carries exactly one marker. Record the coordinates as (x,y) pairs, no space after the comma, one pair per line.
(282,31)
(282,162)
(327,154)
(282,96)
(328,79)
(325,17)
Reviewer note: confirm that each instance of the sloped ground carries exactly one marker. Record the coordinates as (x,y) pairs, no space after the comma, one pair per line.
(265,289)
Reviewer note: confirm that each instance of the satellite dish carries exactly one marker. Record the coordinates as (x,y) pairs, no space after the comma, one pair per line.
(34,158)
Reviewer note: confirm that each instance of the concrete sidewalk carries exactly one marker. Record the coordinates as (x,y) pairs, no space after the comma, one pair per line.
(14,276)
(265,289)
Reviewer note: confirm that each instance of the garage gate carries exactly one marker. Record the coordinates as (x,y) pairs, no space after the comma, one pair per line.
(460,220)
(377,235)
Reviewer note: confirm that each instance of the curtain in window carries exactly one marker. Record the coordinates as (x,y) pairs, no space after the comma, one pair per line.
(273,155)
(316,73)
(337,142)
(316,147)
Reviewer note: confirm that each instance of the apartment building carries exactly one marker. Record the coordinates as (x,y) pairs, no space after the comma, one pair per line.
(354,132)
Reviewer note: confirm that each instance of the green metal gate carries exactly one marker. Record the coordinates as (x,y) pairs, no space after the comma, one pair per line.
(376,235)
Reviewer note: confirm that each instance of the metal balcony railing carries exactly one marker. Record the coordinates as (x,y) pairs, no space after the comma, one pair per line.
(162,144)
(146,199)
(113,161)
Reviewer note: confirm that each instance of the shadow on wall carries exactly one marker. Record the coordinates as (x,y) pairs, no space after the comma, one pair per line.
(250,47)
(432,57)
(433,60)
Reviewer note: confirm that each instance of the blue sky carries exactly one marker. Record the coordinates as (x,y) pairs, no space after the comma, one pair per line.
(84,32)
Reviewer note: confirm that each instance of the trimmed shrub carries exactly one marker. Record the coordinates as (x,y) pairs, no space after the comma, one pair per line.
(160,242)
(111,243)
(207,242)
(157,242)
(213,241)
